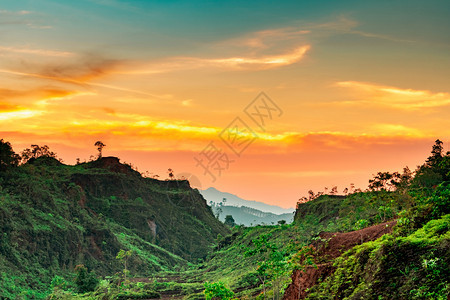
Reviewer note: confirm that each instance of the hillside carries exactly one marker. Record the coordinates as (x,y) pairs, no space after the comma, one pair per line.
(391,241)
(54,217)
(250,216)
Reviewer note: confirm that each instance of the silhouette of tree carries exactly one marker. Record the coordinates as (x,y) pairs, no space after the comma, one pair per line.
(8,157)
(218,211)
(352,188)
(281,222)
(436,154)
(229,220)
(99,145)
(311,195)
(384,181)
(345,191)
(334,190)
(171,174)
(35,152)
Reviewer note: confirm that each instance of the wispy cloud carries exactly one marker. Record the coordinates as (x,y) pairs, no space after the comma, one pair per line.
(20,114)
(80,71)
(256,62)
(408,99)
(35,98)
(22,17)
(34,51)
(268,38)
(344,25)
(397,129)
(14,13)
(250,62)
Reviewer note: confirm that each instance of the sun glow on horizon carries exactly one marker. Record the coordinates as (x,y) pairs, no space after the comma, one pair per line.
(356,87)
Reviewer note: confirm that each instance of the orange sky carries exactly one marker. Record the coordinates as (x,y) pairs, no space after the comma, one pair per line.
(358,90)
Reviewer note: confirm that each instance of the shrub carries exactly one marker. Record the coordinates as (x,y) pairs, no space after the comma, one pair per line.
(85,281)
(217,290)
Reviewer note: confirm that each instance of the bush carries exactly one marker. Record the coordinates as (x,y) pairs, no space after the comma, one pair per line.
(85,281)
(440,201)
(217,290)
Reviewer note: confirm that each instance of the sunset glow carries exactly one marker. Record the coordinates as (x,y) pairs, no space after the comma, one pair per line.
(359,90)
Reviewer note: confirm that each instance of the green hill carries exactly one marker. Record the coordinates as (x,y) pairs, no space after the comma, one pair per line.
(54,217)
(389,242)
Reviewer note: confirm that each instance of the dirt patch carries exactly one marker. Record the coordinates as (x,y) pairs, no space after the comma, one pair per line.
(332,245)
(113,164)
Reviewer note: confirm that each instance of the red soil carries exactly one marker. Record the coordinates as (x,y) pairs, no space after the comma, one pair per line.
(337,244)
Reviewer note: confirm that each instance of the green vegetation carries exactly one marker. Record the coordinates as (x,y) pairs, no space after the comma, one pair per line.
(217,290)
(54,217)
(99,230)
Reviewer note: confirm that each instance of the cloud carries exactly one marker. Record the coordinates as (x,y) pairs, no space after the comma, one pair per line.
(268,38)
(250,62)
(6,107)
(80,71)
(21,17)
(42,52)
(34,98)
(406,99)
(258,62)
(20,114)
(345,25)
(15,13)
(397,129)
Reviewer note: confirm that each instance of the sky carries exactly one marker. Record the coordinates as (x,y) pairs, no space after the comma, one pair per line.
(262,99)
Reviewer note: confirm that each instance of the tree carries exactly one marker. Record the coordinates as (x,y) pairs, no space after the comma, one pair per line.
(99,145)
(229,220)
(352,188)
(436,154)
(334,190)
(218,211)
(36,151)
(281,222)
(384,181)
(8,157)
(123,256)
(216,291)
(405,179)
(85,281)
(272,263)
(171,174)
(359,225)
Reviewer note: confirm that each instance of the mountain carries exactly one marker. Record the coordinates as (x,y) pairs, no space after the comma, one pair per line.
(54,217)
(216,196)
(250,216)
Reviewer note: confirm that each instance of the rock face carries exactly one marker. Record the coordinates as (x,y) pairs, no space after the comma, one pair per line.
(335,244)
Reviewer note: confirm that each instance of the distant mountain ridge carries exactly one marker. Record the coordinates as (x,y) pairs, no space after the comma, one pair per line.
(248,216)
(216,196)
(245,212)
